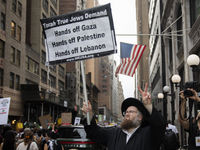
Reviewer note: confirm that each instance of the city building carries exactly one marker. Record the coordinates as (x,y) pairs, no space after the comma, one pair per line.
(120,100)
(142,39)
(13,70)
(180,21)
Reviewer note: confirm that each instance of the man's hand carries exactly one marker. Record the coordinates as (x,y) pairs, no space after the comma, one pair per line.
(146,97)
(86,109)
(195,95)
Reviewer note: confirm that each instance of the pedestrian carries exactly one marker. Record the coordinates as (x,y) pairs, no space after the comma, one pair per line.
(142,127)
(194,128)
(52,143)
(172,127)
(5,129)
(22,136)
(170,140)
(28,143)
(9,142)
(19,135)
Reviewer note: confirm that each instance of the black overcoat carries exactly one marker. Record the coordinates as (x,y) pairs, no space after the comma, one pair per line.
(147,137)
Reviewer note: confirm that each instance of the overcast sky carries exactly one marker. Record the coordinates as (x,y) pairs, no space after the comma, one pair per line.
(124,18)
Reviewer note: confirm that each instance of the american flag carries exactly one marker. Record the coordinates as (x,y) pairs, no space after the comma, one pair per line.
(130,57)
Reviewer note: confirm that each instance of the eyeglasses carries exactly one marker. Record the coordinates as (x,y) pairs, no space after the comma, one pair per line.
(129,112)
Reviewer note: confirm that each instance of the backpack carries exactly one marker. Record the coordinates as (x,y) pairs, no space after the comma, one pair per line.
(170,140)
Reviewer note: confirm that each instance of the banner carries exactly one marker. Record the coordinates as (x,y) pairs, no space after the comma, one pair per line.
(44,120)
(79,35)
(4,110)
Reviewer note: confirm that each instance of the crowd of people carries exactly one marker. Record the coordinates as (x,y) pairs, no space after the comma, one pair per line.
(29,139)
(142,128)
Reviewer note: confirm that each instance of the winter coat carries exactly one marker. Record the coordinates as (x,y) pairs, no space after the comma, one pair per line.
(146,137)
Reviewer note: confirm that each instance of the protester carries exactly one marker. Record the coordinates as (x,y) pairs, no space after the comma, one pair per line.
(194,127)
(22,136)
(142,128)
(170,140)
(9,141)
(28,142)
(52,143)
(19,135)
(173,128)
(41,139)
(5,129)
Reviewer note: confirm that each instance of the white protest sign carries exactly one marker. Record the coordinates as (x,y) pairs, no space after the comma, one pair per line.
(79,35)
(77,120)
(4,110)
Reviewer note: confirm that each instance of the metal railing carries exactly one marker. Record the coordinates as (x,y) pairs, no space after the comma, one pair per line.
(37,96)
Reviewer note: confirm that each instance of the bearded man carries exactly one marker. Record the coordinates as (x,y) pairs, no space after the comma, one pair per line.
(142,128)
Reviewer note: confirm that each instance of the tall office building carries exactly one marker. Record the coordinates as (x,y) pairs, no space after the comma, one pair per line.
(142,39)
(13,55)
(120,100)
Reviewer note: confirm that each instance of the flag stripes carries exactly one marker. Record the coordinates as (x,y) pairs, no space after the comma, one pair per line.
(130,57)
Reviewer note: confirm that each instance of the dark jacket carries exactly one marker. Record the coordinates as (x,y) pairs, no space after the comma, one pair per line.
(145,138)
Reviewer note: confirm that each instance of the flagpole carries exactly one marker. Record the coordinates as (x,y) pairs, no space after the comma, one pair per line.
(149,34)
(85,93)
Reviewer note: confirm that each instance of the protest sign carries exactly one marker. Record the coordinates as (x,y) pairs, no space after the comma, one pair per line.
(79,35)
(66,117)
(4,110)
(77,121)
(44,120)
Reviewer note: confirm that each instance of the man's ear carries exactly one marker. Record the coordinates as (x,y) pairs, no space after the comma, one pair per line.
(140,117)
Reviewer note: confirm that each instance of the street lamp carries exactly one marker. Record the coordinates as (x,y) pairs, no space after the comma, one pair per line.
(193,62)
(176,79)
(160,95)
(166,89)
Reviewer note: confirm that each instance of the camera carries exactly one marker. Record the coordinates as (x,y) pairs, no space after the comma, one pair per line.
(193,85)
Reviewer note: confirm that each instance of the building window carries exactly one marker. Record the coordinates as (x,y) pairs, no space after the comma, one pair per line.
(53,68)
(179,28)
(43,57)
(1,77)
(170,47)
(45,5)
(14,5)
(44,76)
(32,66)
(54,2)
(13,28)
(61,71)
(18,33)
(29,82)
(52,12)
(18,57)
(3,21)
(43,16)
(104,91)
(104,86)
(52,81)
(81,89)
(17,82)
(12,55)
(19,9)
(60,85)
(12,80)
(104,81)
(2,47)
(104,76)
(194,10)
(43,40)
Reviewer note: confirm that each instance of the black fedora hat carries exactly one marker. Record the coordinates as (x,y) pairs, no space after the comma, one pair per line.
(134,102)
